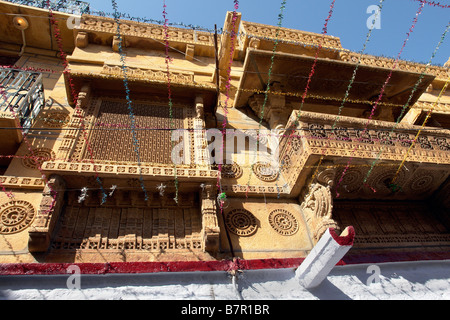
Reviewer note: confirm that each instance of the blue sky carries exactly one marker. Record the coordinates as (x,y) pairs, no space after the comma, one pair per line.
(348,21)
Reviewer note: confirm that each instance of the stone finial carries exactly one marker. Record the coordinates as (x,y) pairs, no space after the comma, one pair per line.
(447,64)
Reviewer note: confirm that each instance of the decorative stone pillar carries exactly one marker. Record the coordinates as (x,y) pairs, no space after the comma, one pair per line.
(84,95)
(42,228)
(317,205)
(210,226)
(70,136)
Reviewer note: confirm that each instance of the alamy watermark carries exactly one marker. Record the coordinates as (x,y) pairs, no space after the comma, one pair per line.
(235,146)
(375,272)
(374,21)
(74,280)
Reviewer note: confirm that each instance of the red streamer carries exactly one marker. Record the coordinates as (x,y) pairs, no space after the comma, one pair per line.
(411,29)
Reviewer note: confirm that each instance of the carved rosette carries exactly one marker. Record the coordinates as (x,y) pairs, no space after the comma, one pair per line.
(38,157)
(241,222)
(56,119)
(16,216)
(231,171)
(265,171)
(283,222)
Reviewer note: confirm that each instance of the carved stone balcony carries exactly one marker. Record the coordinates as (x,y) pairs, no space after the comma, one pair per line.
(330,166)
(425,170)
(102,31)
(22,98)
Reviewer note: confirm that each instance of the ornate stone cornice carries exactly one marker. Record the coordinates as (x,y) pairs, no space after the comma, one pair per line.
(154,76)
(149,74)
(22,182)
(351,122)
(91,23)
(131,170)
(436,107)
(266,32)
(369,60)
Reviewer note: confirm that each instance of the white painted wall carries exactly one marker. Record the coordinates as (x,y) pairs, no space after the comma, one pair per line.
(409,280)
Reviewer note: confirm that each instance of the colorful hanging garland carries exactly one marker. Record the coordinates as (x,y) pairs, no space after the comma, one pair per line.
(418,133)
(434,4)
(168,60)
(128,98)
(419,11)
(227,92)
(74,94)
(347,92)
(266,93)
(33,157)
(422,75)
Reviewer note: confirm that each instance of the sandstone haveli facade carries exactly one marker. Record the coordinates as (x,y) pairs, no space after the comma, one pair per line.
(145,208)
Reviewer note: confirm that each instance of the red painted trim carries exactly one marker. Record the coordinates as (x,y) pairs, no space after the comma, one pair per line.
(147,267)
(192,266)
(345,240)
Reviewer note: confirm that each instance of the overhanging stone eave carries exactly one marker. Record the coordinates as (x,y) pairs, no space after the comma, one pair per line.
(140,85)
(255,81)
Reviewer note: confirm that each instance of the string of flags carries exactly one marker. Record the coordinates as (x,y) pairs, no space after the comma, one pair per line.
(222,196)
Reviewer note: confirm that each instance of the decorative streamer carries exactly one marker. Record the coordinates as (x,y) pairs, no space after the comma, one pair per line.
(347,92)
(15,67)
(419,11)
(313,68)
(9,194)
(409,100)
(227,92)
(169,90)
(66,72)
(311,74)
(33,156)
(128,98)
(266,94)
(418,133)
(434,4)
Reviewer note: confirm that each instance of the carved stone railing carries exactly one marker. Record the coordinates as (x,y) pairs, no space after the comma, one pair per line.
(265,32)
(22,95)
(314,138)
(22,182)
(129,170)
(91,23)
(435,107)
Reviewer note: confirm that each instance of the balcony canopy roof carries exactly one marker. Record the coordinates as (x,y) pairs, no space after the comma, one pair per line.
(329,82)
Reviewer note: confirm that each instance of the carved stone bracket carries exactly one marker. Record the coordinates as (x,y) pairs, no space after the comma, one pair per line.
(82,40)
(317,205)
(49,210)
(275,111)
(210,226)
(84,95)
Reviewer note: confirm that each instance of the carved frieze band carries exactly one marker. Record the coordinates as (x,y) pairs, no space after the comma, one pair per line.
(22,182)
(149,74)
(439,72)
(132,170)
(144,30)
(261,31)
